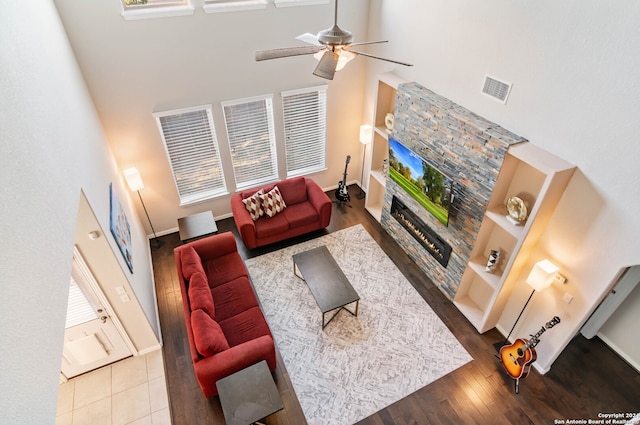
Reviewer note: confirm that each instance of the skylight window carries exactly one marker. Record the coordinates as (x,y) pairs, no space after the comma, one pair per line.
(144,9)
(131,4)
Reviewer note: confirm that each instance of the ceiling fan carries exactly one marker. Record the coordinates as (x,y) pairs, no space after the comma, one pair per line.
(331,46)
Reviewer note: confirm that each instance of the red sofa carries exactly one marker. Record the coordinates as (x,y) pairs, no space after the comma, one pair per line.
(307,209)
(226,328)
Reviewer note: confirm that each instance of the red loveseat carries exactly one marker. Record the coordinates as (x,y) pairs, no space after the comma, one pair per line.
(307,208)
(226,328)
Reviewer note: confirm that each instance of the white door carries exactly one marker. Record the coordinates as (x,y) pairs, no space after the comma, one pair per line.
(92,336)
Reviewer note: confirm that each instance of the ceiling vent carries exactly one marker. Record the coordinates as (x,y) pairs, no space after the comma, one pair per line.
(497,89)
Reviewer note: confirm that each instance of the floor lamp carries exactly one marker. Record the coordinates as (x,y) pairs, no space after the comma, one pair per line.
(134,181)
(542,275)
(365,138)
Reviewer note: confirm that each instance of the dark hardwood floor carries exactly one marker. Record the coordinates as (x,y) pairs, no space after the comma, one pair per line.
(587,379)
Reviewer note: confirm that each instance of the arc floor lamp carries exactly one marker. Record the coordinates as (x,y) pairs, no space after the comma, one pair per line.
(134,181)
(543,274)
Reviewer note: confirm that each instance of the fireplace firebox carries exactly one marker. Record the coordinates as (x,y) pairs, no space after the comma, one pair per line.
(434,244)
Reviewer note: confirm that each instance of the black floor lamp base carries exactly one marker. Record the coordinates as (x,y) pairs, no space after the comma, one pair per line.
(156,243)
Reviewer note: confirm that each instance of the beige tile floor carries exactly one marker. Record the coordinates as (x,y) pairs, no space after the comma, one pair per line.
(130,392)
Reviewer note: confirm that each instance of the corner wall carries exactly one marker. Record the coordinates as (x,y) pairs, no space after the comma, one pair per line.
(53,148)
(463,145)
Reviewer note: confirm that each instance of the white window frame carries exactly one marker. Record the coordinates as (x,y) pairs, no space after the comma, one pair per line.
(222,6)
(305,136)
(241,133)
(198,148)
(156,9)
(291,3)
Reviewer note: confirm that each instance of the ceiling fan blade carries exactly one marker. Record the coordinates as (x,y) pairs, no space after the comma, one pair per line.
(286,52)
(307,37)
(378,57)
(327,65)
(362,43)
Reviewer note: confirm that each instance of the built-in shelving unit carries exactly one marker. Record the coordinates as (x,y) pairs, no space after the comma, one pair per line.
(385,103)
(539,179)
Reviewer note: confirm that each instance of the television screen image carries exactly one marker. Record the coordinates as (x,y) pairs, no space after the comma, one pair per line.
(428,186)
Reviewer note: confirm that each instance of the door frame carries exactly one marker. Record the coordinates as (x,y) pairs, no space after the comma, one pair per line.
(81,265)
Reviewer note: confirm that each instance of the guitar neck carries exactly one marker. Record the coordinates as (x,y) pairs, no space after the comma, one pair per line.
(535,338)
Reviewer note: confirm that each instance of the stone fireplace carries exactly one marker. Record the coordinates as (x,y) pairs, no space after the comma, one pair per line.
(434,244)
(462,145)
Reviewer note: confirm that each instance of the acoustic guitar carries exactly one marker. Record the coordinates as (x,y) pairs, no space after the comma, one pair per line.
(517,357)
(342,194)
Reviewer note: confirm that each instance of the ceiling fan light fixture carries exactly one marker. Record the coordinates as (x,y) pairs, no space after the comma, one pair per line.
(344,56)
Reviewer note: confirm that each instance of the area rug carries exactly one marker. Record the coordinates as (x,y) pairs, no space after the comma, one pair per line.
(359,365)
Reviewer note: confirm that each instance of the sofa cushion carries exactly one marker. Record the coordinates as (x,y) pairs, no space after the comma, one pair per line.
(220,270)
(301,214)
(191,263)
(200,297)
(253,204)
(246,326)
(293,190)
(207,334)
(272,202)
(267,227)
(233,298)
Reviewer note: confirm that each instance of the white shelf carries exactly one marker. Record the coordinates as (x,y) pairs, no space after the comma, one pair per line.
(539,178)
(379,176)
(375,211)
(501,220)
(387,87)
(492,279)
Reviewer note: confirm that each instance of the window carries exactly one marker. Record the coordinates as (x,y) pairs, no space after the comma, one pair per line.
(218,6)
(190,141)
(144,9)
(288,3)
(305,118)
(251,140)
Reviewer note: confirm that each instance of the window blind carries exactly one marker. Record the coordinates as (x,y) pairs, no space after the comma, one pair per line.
(192,148)
(79,310)
(305,117)
(251,139)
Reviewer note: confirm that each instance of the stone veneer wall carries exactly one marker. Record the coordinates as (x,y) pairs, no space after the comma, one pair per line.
(467,147)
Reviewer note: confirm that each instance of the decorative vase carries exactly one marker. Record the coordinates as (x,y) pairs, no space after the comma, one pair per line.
(492,263)
(388,121)
(517,210)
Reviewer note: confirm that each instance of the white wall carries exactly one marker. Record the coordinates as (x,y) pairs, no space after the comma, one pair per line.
(135,68)
(575,85)
(52,146)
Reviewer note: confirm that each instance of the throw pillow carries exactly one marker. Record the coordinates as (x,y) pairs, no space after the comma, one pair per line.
(272,202)
(200,297)
(253,205)
(207,334)
(191,263)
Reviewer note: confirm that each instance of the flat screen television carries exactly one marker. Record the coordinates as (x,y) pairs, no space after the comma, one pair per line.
(426,184)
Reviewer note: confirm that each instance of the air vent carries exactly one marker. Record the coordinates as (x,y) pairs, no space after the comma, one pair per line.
(496,89)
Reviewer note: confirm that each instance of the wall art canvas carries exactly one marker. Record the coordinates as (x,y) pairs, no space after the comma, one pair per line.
(120,228)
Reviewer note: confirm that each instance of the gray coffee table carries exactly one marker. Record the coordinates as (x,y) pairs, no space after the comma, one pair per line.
(197,225)
(328,284)
(249,395)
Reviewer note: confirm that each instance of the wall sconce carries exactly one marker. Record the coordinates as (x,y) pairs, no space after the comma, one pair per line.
(134,181)
(365,137)
(543,274)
